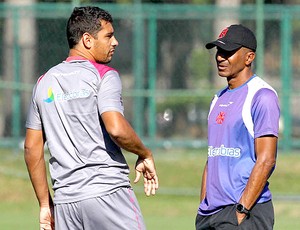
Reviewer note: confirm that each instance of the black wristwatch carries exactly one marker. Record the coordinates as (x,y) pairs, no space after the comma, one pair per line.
(241,209)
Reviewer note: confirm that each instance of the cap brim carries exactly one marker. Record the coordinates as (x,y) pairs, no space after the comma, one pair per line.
(228,46)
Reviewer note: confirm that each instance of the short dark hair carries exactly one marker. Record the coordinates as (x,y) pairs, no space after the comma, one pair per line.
(85,19)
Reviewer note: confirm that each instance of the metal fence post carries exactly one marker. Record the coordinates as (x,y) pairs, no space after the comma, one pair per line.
(260,37)
(152,58)
(16,100)
(138,66)
(286,75)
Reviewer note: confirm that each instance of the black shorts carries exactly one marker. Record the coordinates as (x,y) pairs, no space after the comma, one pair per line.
(261,218)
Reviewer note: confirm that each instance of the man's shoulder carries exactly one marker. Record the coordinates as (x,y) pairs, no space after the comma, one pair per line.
(258,83)
(102,68)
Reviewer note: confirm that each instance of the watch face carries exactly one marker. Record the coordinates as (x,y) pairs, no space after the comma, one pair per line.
(240,207)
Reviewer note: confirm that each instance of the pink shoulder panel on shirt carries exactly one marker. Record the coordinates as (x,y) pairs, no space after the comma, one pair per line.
(102,69)
(40,78)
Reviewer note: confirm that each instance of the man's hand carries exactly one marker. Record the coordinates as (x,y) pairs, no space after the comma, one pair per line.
(146,167)
(240,217)
(46,218)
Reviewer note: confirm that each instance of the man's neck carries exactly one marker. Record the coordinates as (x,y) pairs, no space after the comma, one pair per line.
(78,53)
(237,81)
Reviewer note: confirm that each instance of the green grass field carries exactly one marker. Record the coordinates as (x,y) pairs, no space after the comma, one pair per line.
(175,205)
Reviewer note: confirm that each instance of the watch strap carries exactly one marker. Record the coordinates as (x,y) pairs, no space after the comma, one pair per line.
(241,209)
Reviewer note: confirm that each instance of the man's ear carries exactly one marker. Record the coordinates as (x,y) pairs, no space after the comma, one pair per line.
(250,56)
(87,40)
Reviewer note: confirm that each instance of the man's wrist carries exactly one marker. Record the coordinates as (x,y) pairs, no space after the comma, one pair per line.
(242,209)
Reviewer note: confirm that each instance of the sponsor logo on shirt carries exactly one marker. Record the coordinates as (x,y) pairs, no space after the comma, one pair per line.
(66,74)
(223,151)
(226,105)
(50,96)
(71,95)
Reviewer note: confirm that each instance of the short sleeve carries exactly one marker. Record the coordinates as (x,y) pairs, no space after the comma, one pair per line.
(265,113)
(33,116)
(110,93)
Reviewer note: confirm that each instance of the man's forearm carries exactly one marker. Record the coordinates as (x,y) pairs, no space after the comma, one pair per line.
(265,149)
(38,176)
(34,158)
(132,143)
(256,183)
(123,134)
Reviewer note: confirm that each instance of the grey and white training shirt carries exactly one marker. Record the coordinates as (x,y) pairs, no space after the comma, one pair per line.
(66,104)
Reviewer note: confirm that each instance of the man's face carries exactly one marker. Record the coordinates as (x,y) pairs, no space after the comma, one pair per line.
(230,63)
(104,43)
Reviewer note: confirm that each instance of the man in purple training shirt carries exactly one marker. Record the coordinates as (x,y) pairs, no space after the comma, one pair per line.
(242,140)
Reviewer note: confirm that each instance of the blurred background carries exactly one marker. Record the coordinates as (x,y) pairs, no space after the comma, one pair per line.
(168,77)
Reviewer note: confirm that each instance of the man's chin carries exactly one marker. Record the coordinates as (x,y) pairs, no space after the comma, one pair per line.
(104,62)
(222,74)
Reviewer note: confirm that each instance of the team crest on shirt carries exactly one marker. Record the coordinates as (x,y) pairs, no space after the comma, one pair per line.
(220,118)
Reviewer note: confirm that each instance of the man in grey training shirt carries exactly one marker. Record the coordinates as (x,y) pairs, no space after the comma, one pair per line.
(77,108)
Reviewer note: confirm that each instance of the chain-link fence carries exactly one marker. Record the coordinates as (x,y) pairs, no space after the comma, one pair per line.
(168,76)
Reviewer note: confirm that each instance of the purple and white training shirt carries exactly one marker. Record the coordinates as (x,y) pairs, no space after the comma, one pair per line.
(235,119)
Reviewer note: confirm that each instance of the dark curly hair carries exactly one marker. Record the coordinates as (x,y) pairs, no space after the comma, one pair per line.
(85,19)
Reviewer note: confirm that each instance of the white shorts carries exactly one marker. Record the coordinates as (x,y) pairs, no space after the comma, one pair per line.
(117,211)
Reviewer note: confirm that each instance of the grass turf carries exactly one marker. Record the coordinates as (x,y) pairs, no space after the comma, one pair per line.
(175,205)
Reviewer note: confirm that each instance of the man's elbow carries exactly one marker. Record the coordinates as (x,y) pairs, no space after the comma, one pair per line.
(28,146)
(271,163)
(28,149)
(268,162)
(117,135)
(33,149)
